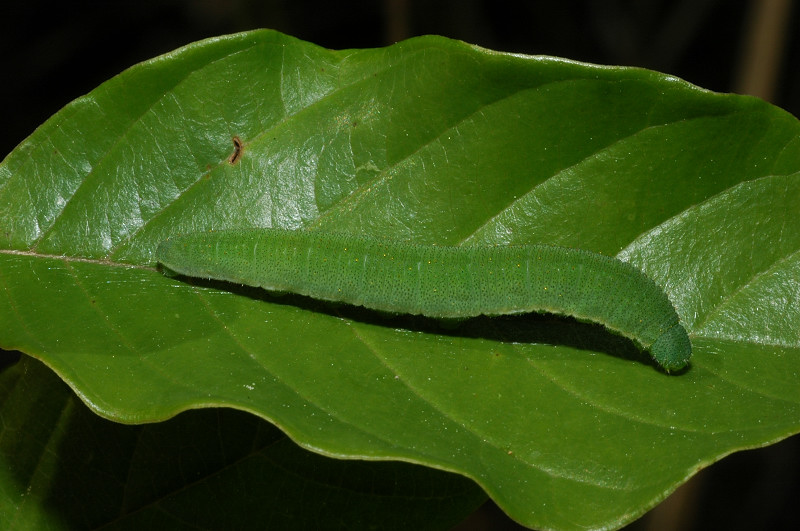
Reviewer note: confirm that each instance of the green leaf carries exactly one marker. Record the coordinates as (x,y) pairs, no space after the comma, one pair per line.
(435,141)
(62,467)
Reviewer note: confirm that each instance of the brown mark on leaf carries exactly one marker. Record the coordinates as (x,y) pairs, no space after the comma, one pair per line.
(237,150)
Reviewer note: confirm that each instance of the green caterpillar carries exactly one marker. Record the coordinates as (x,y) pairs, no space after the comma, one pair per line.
(440,281)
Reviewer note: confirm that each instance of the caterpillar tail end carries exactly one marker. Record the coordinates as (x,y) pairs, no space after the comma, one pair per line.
(672,349)
(164,256)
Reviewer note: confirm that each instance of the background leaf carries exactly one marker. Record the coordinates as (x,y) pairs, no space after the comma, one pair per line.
(436,141)
(64,467)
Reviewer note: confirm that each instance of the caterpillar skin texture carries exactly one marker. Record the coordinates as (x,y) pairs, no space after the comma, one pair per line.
(440,281)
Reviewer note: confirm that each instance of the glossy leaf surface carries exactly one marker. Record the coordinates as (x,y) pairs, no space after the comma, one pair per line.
(433,141)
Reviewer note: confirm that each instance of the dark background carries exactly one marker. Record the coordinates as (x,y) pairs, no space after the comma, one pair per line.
(52,52)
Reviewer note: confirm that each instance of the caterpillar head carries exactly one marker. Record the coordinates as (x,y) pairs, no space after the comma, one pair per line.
(672,349)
